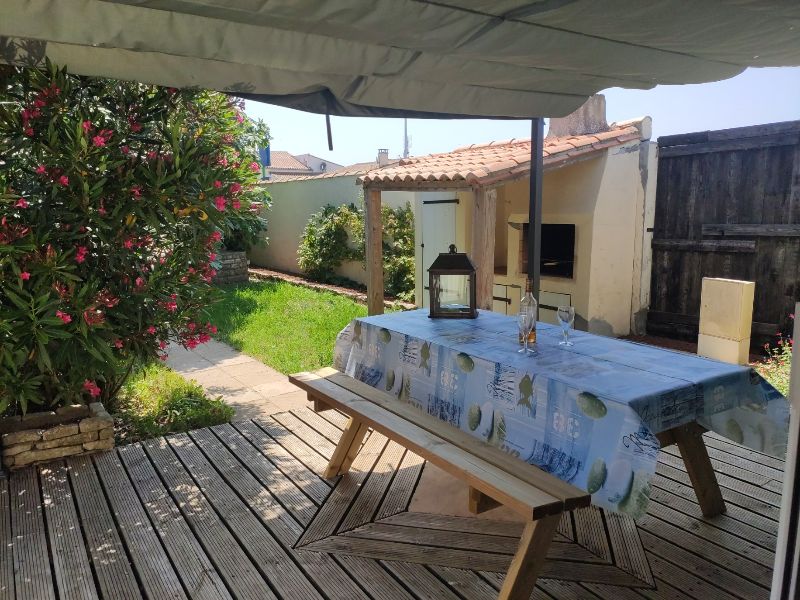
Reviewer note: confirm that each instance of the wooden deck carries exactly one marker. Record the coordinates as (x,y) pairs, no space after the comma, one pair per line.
(238,511)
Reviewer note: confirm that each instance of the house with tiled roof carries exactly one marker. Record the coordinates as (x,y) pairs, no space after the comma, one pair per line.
(283,164)
(598,207)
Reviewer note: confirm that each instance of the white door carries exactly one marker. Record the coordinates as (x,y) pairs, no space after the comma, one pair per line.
(438,232)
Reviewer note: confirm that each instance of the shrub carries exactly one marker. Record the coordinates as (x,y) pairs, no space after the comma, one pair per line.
(336,234)
(113,198)
(777,365)
(156,400)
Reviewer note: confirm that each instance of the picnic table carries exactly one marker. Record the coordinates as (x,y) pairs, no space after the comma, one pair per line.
(594,414)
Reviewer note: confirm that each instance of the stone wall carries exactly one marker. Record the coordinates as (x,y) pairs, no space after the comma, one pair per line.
(70,430)
(233,267)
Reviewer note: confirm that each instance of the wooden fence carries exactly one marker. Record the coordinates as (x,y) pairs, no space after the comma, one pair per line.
(727,205)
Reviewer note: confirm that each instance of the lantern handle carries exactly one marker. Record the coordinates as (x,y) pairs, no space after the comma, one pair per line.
(452,249)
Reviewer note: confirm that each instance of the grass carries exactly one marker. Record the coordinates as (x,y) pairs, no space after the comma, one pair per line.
(288,327)
(156,400)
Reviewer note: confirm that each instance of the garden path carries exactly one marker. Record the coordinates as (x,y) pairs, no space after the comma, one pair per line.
(252,388)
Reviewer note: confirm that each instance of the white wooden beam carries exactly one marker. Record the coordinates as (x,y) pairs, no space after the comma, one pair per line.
(373,232)
(484,215)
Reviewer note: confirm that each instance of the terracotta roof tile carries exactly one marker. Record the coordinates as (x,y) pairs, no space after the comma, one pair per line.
(479,164)
(282,160)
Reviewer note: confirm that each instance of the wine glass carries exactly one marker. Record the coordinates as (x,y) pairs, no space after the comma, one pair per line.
(525,324)
(566,317)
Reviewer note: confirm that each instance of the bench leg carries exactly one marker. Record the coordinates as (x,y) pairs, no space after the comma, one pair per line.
(347,449)
(689,439)
(318,405)
(480,502)
(527,562)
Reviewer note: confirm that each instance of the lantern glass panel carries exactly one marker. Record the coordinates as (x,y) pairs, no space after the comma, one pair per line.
(453,293)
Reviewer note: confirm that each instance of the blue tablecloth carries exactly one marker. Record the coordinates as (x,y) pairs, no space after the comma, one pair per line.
(586,413)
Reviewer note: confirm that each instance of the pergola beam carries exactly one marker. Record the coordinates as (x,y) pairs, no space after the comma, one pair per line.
(373,233)
(484,217)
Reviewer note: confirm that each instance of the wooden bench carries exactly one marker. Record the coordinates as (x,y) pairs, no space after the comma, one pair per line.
(493,476)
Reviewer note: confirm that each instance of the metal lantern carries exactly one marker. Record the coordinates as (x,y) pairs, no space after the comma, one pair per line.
(453,286)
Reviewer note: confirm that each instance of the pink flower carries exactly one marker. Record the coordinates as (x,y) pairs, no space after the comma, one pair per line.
(220,202)
(222,161)
(125,149)
(163,357)
(29,131)
(128,243)
(63,316)
(98,141)
(136,191)
(212,328)
(151,155)
(151,330)
(212,257)
(41,170)
(117,343)
(236,187)
(87,125)
(136,127)
(21,203)
(63,180)
(236,205)
(24,276)
(92,388)
(139,282)
(239,118)
(162,344)
(217,184)
(93,316)
(254,167)
(80,255)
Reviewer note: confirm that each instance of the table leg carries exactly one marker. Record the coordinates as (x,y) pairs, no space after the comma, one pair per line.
(319,405)
(689,439)
(480,502)
(347,449)
(527,562)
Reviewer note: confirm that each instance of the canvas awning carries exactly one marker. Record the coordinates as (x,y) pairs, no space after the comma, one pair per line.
(495,58)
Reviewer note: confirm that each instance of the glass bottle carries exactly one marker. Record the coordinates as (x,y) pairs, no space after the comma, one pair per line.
(529,303)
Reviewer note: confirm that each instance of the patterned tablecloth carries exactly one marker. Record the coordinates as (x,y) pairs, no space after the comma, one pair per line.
(586,413)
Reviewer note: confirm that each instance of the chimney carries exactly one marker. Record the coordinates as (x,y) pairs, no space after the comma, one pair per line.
(383,157)
(589,118)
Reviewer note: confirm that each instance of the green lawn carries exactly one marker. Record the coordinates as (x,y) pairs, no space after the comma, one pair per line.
(288,327)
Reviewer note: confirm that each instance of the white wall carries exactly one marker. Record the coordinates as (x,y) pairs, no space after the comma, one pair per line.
(293,203)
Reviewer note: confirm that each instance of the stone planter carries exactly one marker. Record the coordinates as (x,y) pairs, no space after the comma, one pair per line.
(233,267)
(69,431)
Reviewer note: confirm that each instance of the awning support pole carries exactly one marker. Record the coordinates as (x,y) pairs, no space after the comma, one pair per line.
(373,232)
(535,204)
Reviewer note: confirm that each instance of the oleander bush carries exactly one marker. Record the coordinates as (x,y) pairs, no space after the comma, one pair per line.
(114,197)
(776,367)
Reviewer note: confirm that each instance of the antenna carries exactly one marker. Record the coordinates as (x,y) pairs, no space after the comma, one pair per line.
(406,140)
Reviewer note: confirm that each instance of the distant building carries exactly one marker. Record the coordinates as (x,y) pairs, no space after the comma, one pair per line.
(318,165)
(280,162)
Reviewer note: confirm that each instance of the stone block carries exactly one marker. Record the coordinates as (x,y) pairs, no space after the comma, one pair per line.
(104,434)
(19,437)
(39,420)
(17,449)
(73,411)
(726,308)
(60,431)
(718,348)
(107,444)
(32,456)
(95,423)
(9,424)
(78,438)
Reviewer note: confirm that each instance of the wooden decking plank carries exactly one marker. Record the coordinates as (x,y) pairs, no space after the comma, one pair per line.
(229,559)
(71,567)
(426,585)
(734,520)
(590,531)
(310,435)
(630,557)
(496,579)
(731,496)
(733,472)
(308,456)
(6,543)
(335,508)
(511,529)
(613,592)
(371,574)
(112,568)
(322,426)
(708,532)
(321,568)
(336,417)
(751,467)
(402,487)
(32,575)
(374,489)
(687,579)
(190,561)
(567,590)
(269,556)
(283,489)
(715,440)
(688,558)
(151,562)
(468,584)
(307,480)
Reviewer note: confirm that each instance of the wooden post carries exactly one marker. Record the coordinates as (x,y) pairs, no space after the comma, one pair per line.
(484,215)
(786,575)
(373,232)
(527,562)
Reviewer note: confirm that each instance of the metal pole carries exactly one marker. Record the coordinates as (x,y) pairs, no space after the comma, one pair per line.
(535,204)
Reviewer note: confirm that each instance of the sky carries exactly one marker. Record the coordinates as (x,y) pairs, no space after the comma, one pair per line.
(756,96)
